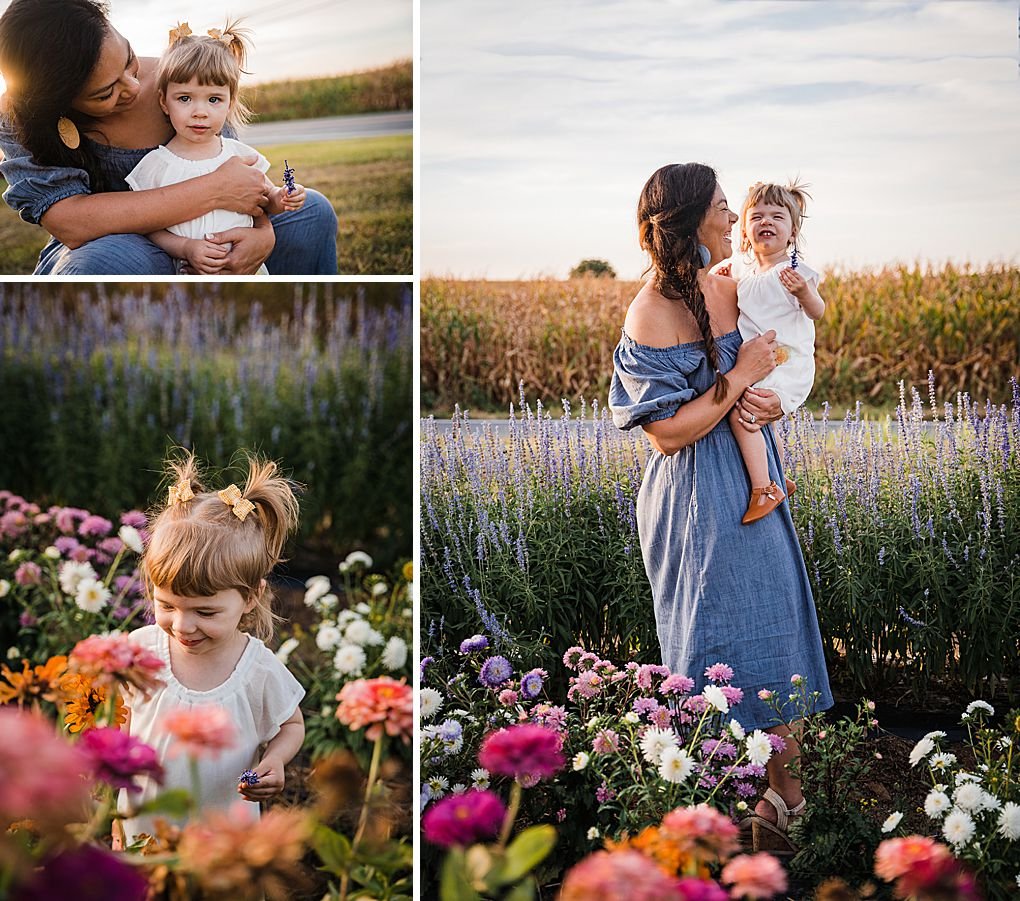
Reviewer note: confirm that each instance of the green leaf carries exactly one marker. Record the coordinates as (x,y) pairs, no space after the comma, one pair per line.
(523,891)
(525,853)
(334,849)
(453,883)
(175,802)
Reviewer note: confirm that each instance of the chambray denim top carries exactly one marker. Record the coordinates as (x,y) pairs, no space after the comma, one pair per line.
(32,189)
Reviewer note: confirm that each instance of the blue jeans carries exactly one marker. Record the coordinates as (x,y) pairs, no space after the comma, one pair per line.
(305,245)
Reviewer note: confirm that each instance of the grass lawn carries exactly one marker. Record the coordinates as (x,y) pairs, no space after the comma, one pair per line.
(368,181)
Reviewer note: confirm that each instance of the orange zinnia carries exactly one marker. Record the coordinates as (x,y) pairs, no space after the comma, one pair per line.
(33,683)
(87,699)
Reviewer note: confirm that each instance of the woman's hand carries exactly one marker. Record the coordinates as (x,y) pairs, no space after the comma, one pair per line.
(240,187)
(756,358)
(271,780)
(758,407)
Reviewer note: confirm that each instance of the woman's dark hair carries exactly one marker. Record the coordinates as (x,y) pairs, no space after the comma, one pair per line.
(48,49)
(673,202)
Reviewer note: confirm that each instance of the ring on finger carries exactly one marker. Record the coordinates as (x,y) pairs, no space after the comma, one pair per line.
(753,419)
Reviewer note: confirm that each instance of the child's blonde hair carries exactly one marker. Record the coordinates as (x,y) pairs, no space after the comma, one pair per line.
(216,58)
(199,545)
(793,196)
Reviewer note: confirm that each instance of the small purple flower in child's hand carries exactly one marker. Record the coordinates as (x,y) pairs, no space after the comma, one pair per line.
(248,777)
(288,177)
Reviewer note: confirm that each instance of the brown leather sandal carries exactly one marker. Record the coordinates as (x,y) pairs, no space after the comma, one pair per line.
(763,502)
(774,837)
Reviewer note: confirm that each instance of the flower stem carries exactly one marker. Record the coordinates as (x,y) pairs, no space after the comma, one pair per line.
(508,823)
(373,773)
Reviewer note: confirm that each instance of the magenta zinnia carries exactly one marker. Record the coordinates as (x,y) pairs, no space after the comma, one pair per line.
(119,758)
(473,816)
(526,752)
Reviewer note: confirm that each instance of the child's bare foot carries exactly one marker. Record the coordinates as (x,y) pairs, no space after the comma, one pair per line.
(763,502)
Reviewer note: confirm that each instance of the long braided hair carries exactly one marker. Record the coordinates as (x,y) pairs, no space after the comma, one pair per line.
(673,202)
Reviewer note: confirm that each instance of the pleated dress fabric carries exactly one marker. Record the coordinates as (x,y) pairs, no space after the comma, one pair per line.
(723,592)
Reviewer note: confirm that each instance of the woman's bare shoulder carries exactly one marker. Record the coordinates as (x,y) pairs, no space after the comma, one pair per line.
(658,321)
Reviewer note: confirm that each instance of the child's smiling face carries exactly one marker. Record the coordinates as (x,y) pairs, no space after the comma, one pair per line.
(201,625)
(769,228)
(197,111)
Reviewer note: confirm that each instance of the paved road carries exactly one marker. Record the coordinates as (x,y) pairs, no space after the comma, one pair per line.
(331,128)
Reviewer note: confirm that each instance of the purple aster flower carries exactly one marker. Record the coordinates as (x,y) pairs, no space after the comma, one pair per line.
(532,682)
(732,694)
(495,671)
(676,685)
(425,661)
(28,574)
(547,715)
(111,546)
(644,706)
(572,657)
(65,544)
(604,793)
(450,731)
(95,527)
(661,718)
(719,672)
(746,790)
(777,742)
(134,518)
(27,620)
(606,742)
(248,777)
(67,519)
(474,643)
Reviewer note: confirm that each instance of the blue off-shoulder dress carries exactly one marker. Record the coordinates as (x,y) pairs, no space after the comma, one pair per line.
(723,592)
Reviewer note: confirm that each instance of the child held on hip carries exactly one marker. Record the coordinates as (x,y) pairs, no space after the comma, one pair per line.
(781,293)
(198,80)
(205,568)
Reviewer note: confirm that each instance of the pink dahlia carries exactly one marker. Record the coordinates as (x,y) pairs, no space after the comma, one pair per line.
(118,758)
(701,831)
(203,731)
(107,659)
(619,876)
(754,876)
(473,816)
(526,752)
(382,704)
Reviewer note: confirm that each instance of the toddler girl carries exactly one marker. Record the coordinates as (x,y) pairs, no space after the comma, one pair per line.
(197,79)
(780,293)
(205,567)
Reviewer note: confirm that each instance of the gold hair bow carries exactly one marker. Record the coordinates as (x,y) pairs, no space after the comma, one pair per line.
(180,493)
(232,497)
(224,37)
(181,31)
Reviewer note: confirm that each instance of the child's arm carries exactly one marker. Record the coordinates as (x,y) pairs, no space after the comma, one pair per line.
(805,292)
(202,256)
(279,753)
(280,201)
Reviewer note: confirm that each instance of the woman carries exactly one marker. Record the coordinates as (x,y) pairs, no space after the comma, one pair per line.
(80,111)
(723,591)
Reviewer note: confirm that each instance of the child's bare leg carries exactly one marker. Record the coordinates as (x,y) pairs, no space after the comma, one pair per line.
(752,449)
(791,485)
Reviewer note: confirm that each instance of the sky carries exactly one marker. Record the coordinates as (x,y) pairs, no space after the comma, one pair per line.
(293,38)
(541,121)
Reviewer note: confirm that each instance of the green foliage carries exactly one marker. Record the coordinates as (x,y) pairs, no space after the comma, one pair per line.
(594,269)
(494,871)
(386,89)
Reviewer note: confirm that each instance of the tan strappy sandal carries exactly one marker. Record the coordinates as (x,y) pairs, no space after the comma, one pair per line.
(774,837)
(763,502)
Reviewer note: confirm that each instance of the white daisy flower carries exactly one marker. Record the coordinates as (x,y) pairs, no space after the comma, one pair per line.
(356,557)
(458,789)
(13,653)
(969,797)
(737,731)
(990,802)
(937,804)
(976,706)
(328,637)
(937,734)
(374,638)
(5,588)
(52,553)
(327,603)
(675,765)
(286,649)
(92,595)
(1009,820)
(580,761)
(431,702)
(593,834)
(379,589)
(892,821)
(941,760)
(344,617)
(362,608)
(631,717)
(592,723)
(315,588)
(964,776)
(438,786)
(654,742)
(714,695)
(958,828)
(358,632)
(759,750)
(921,750)
(132,539)
(349,660)
(394,655)
(72,574)
(480,777)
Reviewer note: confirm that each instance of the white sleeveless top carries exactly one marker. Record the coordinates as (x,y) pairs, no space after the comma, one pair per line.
(765,304)
(260,695)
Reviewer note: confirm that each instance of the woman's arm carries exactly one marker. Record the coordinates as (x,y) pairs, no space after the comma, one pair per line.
(694,420)
(236,186)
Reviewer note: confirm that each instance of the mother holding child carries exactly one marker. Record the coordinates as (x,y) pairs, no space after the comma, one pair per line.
(728,579)
(80,114)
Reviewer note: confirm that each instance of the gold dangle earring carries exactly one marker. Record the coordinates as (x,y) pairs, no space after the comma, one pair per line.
(68,132)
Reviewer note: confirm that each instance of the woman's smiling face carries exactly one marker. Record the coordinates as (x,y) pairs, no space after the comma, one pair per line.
(714,230)
(113,86)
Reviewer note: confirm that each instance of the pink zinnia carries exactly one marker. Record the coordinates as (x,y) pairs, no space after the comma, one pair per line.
(754,876)
(606,742)
(382,704)
(107,659)
(719,672)
(619,876)
(701,831)
(203,731)
(898,856)
(118,758)
(525,752)
(473,816)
